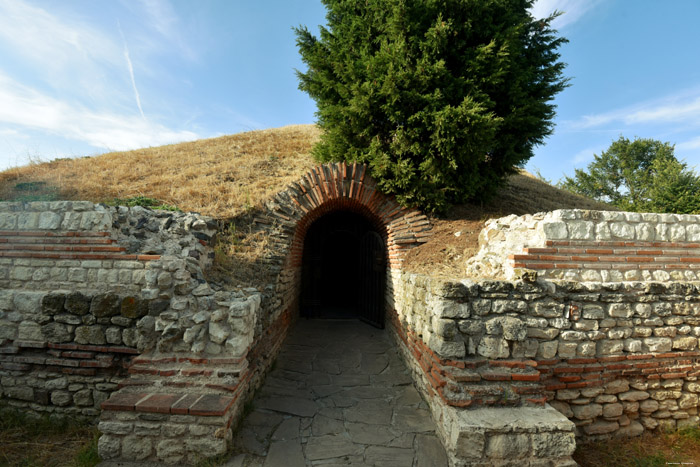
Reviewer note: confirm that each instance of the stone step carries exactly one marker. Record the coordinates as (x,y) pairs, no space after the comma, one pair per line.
(204,405)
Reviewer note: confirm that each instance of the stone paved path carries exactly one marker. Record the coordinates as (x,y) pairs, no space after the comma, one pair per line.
(339,394)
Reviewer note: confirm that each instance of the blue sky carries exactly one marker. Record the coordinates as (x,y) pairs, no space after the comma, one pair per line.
(83,77)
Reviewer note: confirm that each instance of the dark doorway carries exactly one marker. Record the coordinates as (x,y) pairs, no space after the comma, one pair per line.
(343,269)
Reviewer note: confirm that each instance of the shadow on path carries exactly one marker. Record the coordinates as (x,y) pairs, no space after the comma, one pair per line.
(339,394)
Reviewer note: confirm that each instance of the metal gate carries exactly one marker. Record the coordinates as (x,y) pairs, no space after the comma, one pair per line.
(372,277)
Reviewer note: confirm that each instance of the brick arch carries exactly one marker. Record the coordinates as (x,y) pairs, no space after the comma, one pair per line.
(345,187)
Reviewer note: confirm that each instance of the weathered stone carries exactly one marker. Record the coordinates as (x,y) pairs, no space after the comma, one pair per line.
(553,445)
(633,396)
(133,308)
(587,412)
(136,447)
(105,305)
(52,303)
(90,335)
(600,428)
(170,451)
(77,303)
(109,447)
(115,428)
(493,347)
(612,410)
(508,446)
(61,398)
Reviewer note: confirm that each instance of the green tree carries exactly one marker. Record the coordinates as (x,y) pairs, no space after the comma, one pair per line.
(443,99)
(641,175)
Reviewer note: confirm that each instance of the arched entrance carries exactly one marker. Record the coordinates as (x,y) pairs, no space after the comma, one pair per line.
(343,269)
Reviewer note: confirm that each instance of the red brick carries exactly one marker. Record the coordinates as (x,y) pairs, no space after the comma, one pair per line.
(123,401)
(496,376)
(157,403)
(578,361)
(211,405)
(569,379)
(617,358)
(527,377)
(183,404)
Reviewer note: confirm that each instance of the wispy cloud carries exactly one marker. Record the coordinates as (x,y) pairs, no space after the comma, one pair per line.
(689,145)
(24,106)
(573,10)
(131,70)
(586,155)
(682,108)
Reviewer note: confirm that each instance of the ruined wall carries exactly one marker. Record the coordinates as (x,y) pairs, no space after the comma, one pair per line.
(87,287)
(615,358)
(595,246)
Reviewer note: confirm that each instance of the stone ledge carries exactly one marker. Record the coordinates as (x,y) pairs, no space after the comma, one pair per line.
(204,405)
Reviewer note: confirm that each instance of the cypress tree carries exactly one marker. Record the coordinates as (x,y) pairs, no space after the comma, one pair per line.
(443,99)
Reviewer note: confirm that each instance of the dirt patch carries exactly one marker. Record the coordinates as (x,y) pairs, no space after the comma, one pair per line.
(455,237)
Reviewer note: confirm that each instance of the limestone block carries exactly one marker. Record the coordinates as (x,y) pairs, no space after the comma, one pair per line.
(586,349)
(649,406)
(30,331)
(685,343)
(581,230)
(218,332)
(56,333)
(611,347)
(620,310)
(8,220)
(645,232)
(447,349)
(633,396)
(493,347)
(170,451)
(600,428)
(688,401)
(693,232)
(109,447)
(553,445)
(555,230)
(588,411)
(451,309)
(612,410)
(105,305)
(28,221)
(548,350)
(90,335)
(470,445)
(49,220)
(508,446)
(676,233)
(567,349)
(633,429)
(71,221)
(135,447)
(114,427)
(61,398)
(602,231)
(617,386)
(658,344)
(83,398)
(622,230)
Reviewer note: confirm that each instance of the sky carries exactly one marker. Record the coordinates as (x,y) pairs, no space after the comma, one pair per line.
(84,77)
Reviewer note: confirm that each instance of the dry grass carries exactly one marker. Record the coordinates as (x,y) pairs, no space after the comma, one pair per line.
(649,450)
(220,177)
(41,442)
(227,176)
(446,253)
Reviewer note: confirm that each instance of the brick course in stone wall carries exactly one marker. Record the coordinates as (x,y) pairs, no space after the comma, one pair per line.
(595,246)
(615,358)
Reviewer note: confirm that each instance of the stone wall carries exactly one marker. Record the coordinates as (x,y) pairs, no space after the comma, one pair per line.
(595,246)
(614,358)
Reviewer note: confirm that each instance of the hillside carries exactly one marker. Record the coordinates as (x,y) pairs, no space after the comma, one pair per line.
(229,176)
